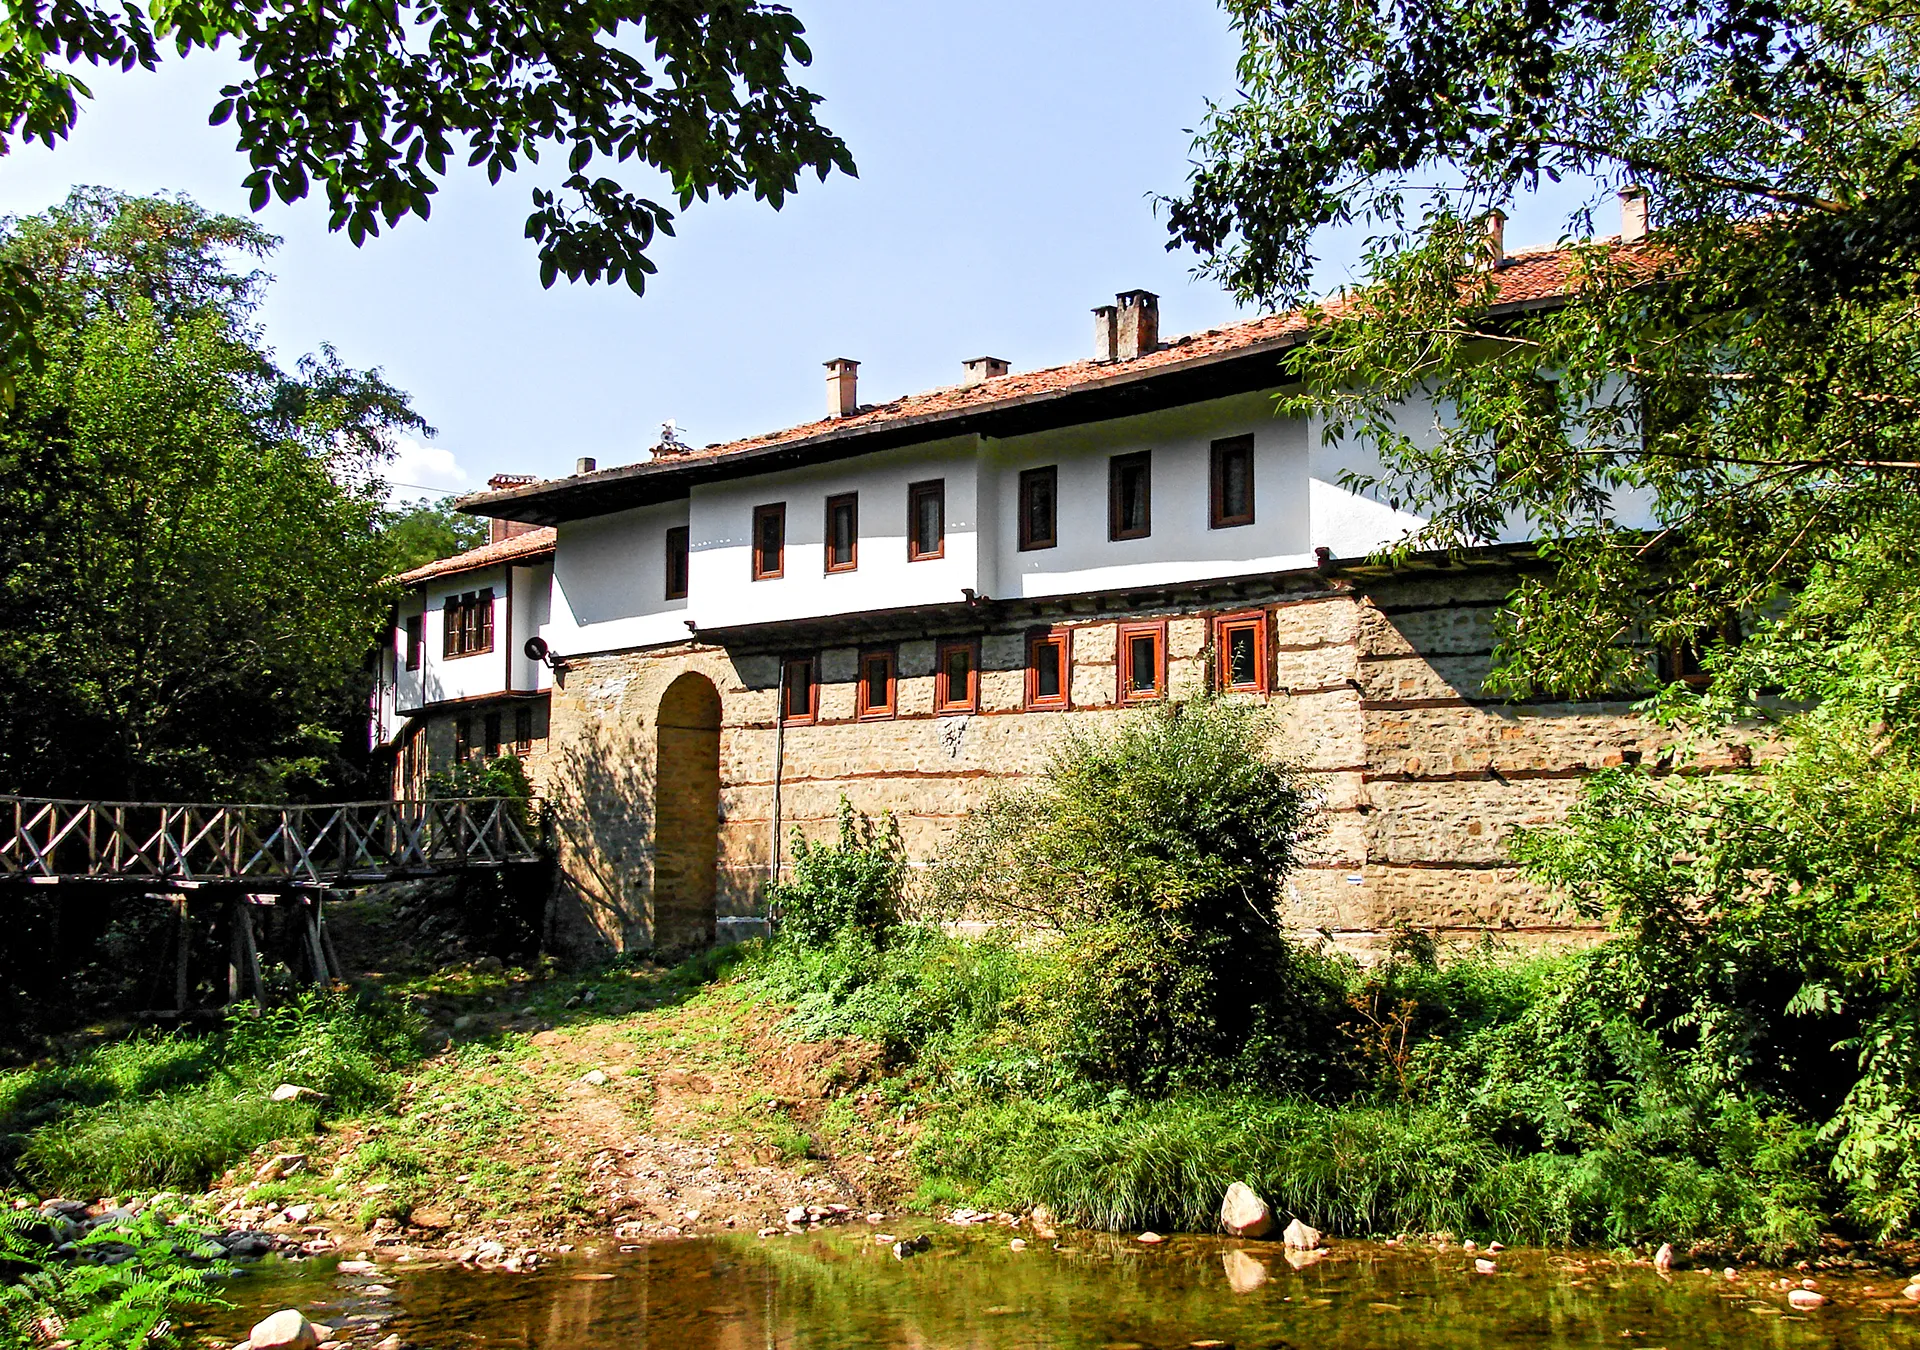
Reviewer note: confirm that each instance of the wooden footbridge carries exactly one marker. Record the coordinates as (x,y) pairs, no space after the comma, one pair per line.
(240,857)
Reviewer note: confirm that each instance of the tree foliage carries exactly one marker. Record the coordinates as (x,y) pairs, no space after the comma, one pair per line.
(1748,374)
(425,531)
(373,104)
(190,564)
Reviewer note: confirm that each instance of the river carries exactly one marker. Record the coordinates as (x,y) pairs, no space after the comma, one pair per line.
(842,1288)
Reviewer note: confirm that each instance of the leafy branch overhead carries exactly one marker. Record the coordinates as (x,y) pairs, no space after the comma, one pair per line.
(1745,376)
(373,102)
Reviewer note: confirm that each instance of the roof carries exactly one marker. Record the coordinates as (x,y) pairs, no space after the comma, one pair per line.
(521,548)
(1184,369)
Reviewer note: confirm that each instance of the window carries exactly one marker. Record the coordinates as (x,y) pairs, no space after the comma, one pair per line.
(843,532)
(522,731)
(1240,651)
(462,739)
(875,697)
(492,725)
(800,698)
(1127,493)
(416,639)
(677,563)
(956,677)
(1047,669)
(1038,500)
(1143,661)
(1231,483)
(468,624)
(769,541)
(927,520)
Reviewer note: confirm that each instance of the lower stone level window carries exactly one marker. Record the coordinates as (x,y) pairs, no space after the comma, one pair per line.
(522,731)
(877,685)
(1240,652)
(1142,661)
(956,677)
(1047,669)
(799,697)
(492,725)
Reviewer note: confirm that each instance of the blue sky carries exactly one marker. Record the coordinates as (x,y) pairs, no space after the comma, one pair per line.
(1008,152)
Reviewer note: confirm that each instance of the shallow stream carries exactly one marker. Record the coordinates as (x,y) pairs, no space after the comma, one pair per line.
(840,1288)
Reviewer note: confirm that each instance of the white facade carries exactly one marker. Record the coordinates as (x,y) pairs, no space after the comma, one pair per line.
(520,608)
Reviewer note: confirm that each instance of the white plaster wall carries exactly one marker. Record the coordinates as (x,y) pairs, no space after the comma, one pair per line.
(722,587)
(610,583)
(1182,546)
(532,608)
(442,678)
(409,685)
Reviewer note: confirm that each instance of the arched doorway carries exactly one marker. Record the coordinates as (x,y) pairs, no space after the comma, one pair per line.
(686,819)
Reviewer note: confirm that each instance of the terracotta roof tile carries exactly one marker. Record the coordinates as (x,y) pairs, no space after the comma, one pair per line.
(532,544)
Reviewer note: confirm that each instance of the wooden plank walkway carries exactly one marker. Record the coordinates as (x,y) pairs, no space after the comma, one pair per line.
(171,845)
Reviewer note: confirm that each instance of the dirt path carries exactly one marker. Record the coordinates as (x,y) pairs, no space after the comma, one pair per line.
(566,1112)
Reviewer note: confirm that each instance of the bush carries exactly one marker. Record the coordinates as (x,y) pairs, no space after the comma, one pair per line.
(1156,856)
(853,885)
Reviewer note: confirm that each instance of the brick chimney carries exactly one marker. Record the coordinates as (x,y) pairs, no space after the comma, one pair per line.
(499,530)
(1137,324)
(1106,332)
(1633,213)
(1494,240)
(981,369)
(843,387)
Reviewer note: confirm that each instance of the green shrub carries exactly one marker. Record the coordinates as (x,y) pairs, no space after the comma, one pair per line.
(1155,856)
(180,1141)
(852,885)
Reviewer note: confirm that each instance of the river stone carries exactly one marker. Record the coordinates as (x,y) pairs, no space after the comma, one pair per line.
(1244,1214)
(1245,1273)
(287,1329)
(293,1092)
(1484,1266)
(1912,1291)
(594,1078)
(1663,1259)
(281,1165)
(1300,1237)
(1805,1298)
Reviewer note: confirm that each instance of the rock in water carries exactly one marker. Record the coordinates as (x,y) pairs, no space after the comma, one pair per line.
(1912,1291)
(1244,1273)
(1663,1259)
(1805,1298)
(1484,1266)
(1300,1237)
(1244,1214)
(287,1329)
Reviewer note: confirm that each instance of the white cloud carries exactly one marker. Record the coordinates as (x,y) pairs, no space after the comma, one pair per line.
(419,469)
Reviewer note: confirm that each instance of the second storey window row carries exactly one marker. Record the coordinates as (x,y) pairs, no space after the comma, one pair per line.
(467,624)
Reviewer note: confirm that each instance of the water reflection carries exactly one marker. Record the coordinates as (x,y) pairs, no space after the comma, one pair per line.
(1094,1291)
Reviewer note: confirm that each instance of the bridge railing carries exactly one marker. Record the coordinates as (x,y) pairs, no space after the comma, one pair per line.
(331,844)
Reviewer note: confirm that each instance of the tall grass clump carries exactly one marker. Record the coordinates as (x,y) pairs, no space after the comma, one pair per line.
(170,1112)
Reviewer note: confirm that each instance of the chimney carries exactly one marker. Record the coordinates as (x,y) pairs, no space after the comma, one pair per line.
(498,530)
(1633,213)
(1137,327)
(1494,244)
(843,387)
(585,464)
(981,369)
(1106,332)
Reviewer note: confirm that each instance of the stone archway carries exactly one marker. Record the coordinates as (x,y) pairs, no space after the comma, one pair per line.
(686,819)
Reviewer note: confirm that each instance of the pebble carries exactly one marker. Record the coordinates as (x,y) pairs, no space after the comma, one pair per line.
(356,1267)
(1017,1245)
(1483,1265)
(1149,1238)
(1912,1291)
(594,1078)
(1805,1298)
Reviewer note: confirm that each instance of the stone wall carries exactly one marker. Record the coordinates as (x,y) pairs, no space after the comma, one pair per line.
(429,745)
(1375,690)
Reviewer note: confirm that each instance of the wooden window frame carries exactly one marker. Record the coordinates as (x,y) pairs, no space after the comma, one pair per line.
(871,712)
(492,737)
(1217,517)
(679,561)
(787,686)
(1056,637)
(466,627)
(1227,624)
(462,739)
(413,640)
(944,703)
(770,511)
(523,730)
(935,488)
(1050,475)
(1117,465)
(851,501)
(1123,661)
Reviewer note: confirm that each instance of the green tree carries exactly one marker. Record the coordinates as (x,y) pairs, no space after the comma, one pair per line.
(190,567)
(372,103)
(424,531)
(1750,371)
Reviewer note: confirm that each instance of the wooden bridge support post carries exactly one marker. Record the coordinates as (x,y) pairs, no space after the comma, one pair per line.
(310,911)
(182,948)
